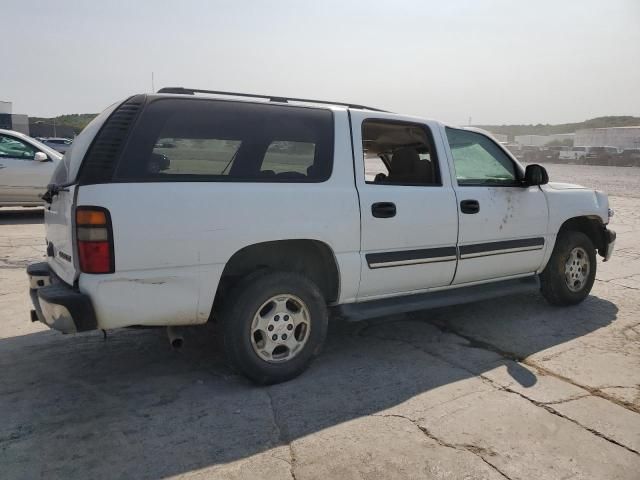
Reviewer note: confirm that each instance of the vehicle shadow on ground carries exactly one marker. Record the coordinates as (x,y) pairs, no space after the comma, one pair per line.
(22,216)
(83,407)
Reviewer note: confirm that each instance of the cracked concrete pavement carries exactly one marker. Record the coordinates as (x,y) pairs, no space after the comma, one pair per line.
(508,388)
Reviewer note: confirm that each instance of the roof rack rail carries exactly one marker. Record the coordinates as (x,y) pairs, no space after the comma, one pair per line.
(271,98)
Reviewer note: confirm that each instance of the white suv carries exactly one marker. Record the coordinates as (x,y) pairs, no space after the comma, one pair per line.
(268,214)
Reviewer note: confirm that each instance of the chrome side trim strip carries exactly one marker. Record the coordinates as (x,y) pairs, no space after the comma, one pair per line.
(416,261)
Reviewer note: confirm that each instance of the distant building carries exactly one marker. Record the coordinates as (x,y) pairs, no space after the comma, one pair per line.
(562,137)
(619,137)
(500,137)
(542,140)
(13,121)
(532,140)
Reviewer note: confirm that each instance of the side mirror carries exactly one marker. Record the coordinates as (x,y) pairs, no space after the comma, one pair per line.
(41,157)
(535,175)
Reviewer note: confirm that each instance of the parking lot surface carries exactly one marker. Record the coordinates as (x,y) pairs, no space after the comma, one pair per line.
(508,388)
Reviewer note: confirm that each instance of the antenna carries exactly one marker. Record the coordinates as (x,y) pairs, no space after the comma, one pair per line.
(153,87)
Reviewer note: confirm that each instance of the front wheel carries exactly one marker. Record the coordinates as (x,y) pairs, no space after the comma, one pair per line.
(568,277)
(274,325)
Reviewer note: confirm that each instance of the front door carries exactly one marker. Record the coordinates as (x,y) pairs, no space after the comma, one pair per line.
(502,223)
(409,221)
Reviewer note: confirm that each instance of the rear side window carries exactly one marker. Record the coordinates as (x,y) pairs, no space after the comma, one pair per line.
(212,140)
(286,156)
(193,156)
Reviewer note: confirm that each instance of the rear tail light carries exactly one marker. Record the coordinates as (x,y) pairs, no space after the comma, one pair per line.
(95,240)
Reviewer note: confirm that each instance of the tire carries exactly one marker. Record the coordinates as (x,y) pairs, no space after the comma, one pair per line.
(563,281)
(267,305)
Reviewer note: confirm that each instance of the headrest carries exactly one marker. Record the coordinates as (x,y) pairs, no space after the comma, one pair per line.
(404,160)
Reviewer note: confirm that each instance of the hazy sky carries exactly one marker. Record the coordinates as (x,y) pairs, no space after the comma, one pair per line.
(495,61)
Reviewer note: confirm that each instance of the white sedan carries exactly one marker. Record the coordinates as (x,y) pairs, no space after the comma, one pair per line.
(26,167)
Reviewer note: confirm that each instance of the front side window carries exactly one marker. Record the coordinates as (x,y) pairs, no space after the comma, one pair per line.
(478,160)
(213,140)
(398,153)
(11,147)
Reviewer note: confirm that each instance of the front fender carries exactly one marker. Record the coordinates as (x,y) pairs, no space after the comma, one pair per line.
(570,201)
(575,204)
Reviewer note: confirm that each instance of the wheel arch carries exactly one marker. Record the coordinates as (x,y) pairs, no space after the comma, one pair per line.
(312,258)
(592,226)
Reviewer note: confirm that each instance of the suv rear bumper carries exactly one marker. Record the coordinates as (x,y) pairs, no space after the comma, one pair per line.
(58,305)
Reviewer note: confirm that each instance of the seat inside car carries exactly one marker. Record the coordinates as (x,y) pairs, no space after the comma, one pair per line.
(406,167)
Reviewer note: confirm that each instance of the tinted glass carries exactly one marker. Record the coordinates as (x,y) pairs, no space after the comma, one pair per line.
(211,140)
(287,156)
(194,156)
(11,147)
(478,160)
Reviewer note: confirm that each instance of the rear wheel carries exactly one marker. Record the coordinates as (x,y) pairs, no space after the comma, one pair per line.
(274,325)
(568,277)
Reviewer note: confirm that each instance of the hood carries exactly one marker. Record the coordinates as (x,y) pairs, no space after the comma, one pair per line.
(564,186)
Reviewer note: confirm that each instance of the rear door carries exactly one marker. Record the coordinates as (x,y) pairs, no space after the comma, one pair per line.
(502,223)
(409,221)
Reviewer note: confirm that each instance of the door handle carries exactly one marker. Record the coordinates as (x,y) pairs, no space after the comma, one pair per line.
(469,206)
(383,210)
